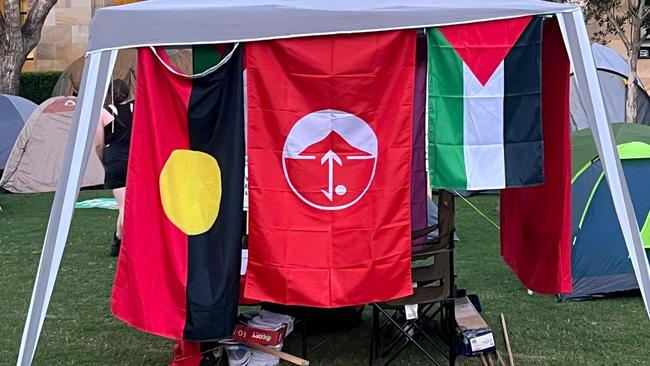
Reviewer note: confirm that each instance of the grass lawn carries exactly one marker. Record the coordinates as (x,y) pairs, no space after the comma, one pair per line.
(79,328)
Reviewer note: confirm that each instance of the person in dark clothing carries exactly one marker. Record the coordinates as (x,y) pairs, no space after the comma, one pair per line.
(112,141)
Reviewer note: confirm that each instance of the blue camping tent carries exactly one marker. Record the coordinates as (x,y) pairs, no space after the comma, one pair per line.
(600,262)
(14,111)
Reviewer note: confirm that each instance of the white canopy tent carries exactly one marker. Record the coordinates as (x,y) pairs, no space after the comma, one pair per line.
(172,22)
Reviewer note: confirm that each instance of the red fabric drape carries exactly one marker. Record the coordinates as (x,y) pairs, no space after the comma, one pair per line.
(536,222)
(348,99)
(187,353)
(149,292)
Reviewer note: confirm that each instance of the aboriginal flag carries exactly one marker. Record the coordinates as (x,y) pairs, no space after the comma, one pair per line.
(178,272)
(329,163)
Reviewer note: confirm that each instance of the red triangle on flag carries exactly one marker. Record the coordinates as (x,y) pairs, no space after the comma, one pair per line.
(482,46)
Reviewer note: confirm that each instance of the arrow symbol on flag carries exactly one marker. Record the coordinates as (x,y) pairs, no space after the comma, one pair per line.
(330,157)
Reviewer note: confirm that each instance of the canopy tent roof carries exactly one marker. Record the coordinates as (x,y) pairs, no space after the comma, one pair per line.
(165,22)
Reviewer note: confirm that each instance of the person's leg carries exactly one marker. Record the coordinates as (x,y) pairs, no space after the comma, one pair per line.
(119,194)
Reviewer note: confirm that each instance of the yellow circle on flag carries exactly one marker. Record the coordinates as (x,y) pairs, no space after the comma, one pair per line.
(190,190)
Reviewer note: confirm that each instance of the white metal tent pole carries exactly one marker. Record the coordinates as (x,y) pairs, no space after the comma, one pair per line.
(97,70)
(591,97)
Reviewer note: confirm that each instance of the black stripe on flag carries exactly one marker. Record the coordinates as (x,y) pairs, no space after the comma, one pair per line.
(216,127)
(522,125)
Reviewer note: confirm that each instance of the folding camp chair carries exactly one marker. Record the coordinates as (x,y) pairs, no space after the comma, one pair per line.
(434,296)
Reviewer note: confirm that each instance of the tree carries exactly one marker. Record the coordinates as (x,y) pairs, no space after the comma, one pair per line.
(629,20)
(17,40)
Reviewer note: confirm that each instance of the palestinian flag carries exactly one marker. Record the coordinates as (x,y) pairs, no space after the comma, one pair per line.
(484,104)
(329,164)
(178,272)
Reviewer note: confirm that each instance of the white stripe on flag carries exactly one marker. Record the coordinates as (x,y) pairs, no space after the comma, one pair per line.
(483,130)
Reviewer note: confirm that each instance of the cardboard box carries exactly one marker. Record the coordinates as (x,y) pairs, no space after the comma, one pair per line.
(245,334)
(477,336)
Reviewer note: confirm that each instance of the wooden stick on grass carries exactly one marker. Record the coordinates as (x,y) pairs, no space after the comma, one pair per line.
(500,359)
(511,361)
(488,356)
(283,355)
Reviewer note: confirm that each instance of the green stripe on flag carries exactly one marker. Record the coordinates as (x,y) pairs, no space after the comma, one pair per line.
(445,106)
(204,57)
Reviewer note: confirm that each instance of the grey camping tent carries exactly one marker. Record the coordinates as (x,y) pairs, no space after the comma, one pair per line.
(37,156)
(612,72)
(14,111)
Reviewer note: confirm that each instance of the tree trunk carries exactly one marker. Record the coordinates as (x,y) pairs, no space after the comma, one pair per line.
(11,65)
(18,39)
(630,102)
(633,57)
(11,48)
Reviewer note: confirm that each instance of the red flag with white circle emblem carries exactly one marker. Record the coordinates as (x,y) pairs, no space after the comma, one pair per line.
(329,154)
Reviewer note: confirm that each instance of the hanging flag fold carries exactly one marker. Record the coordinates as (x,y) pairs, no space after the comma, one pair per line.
(419,212)
(484,104)
(178,271)
(536,221)
(329,152)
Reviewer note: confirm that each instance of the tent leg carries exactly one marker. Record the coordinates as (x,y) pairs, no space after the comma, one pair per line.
(97,70)
(591,97)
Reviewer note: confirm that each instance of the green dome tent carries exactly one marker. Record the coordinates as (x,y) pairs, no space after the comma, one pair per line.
(583,148)
(600,262)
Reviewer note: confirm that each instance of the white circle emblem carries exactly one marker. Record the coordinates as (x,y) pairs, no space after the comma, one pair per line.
(329,159)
